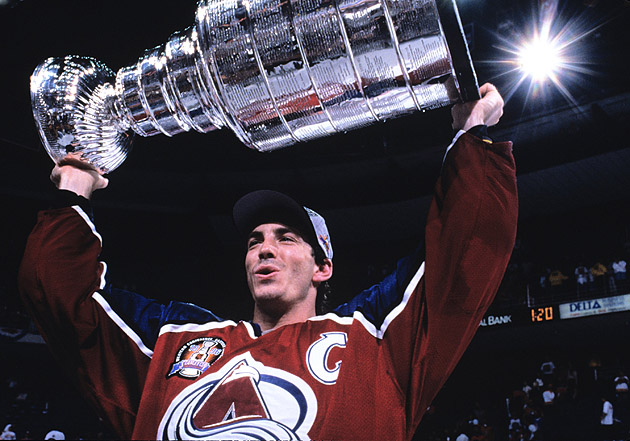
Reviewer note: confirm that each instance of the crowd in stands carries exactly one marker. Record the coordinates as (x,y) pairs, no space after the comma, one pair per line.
(38,402)
(609,279)
(585,400)
(556,402)
(568,278)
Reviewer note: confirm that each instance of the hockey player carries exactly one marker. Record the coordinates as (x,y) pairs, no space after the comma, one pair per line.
(367,370)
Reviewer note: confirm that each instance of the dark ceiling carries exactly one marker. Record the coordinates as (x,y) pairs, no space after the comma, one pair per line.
(375,182)
(388,162)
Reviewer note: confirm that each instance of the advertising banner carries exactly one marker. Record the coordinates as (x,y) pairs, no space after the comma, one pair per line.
(589,307)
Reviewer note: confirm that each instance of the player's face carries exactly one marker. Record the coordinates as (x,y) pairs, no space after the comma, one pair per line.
(281,269)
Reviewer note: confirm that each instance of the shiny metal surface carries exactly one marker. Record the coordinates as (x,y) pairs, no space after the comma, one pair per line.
(72,101)
(276,72)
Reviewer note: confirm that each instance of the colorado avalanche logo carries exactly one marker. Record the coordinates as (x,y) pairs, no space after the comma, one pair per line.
(245,400)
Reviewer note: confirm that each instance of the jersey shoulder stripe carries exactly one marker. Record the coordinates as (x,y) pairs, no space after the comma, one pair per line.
(145,317)
(377,306)
(129,331)
(138,317)
(207,326)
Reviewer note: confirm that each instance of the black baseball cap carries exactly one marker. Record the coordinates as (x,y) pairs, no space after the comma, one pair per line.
(267,206)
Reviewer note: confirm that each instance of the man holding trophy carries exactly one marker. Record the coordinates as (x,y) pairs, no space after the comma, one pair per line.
(366,370)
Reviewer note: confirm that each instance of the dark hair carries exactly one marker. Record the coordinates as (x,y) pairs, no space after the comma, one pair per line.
(324,291)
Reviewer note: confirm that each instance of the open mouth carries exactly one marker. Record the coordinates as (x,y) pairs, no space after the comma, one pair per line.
(266,270)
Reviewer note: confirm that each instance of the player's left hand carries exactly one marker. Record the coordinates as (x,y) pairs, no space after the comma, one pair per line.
(488,110)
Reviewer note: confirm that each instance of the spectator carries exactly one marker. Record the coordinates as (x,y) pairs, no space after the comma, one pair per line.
(611,283)
(543,280)
(606,420)
(591,281)
(527,389)
(548,371)
(532,430)
(581,278)
(55,434)
(516,433)
(462,437)
(7,433)
(532,415)
(474,430)
(550,422)
(619,270)
(598,271)
(622,400)
(549,395)
(622,384)
(556,280)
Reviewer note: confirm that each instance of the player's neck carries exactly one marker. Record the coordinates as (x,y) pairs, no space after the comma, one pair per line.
(270,321)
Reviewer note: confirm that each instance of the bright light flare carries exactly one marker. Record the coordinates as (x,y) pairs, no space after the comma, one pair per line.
(540,59)
(550,53)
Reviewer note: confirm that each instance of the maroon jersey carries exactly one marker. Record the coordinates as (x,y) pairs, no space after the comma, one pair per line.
(365,371)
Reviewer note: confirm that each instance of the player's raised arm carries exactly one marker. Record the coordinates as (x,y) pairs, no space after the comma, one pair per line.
(469,236)
(60,281)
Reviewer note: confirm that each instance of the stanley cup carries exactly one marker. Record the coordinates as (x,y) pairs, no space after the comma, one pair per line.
(276,72)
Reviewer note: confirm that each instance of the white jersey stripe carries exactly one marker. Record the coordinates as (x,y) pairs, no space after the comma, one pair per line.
(88,221)
(346,321)
(368,325)
(122,325)
(457,135)
(413,284)
(196,327)
(103,276)
(334,317)
(101,300)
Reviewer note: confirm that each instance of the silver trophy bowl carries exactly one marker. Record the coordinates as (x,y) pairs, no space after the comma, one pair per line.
(275,72)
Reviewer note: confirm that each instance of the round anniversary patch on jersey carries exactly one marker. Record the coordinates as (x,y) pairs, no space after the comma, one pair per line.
(196,356)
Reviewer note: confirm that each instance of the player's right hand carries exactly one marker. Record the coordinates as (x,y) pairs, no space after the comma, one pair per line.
(75,174)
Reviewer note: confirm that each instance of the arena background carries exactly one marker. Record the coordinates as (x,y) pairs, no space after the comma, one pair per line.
(165,217)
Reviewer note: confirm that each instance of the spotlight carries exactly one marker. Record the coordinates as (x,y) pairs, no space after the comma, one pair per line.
(539,59)
(554,52)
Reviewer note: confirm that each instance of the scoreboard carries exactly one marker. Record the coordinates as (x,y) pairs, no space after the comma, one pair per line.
(521,316)
(544,314)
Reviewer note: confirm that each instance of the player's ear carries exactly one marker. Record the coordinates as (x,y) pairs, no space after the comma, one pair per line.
(323,271)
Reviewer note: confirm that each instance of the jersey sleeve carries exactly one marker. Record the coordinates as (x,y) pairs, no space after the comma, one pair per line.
(469,238)
(426,312)
(102,337)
